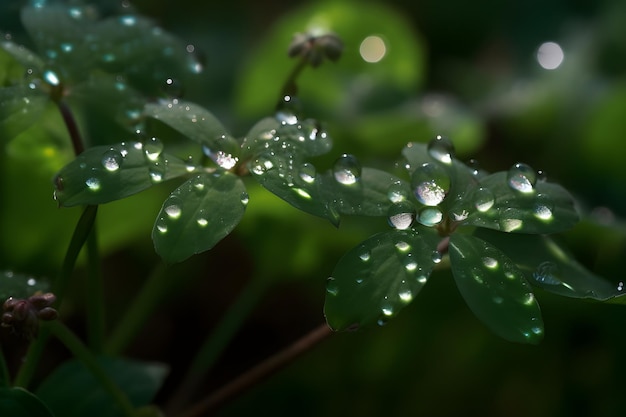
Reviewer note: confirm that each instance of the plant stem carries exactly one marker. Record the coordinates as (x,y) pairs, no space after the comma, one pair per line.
(217,341)
(35,350)
(148,298)
(4,371)
(94,296)
(259,372)
(72,127)
(80,351)
(289,87)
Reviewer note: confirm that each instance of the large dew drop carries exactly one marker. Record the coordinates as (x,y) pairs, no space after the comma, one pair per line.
(153,148)
(173,208)
(112,160)
(430,184)
(441,149)
(430,216)
(401,215)
(307,173)
(93,184)
(522,178)
(483,199)
(347,169)
(396,192)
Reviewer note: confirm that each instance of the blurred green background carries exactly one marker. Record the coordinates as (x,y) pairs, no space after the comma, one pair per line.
(469,70)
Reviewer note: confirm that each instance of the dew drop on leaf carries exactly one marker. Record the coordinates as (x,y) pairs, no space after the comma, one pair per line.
(546,273)
(307,173)
(156,172)
(331,286)
(347,169)
(522,178)
(153,148)
(441,149)
(483,199)
(401,215)
(436,257)
(430,184)
(93,184)
(112,160)
(365,256)
(245,198)
(51,78)
(173,207)
(161,225)
(430,216)
(198,185)
(396,192)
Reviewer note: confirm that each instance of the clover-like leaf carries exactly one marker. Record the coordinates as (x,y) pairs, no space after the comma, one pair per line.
(298,183)
(378,278)
(107,173)
(372,194)
(20,107)
(198,214)
(199,125)
(17,402)
(497,204)
(495,289)
(72,391)
(551,267)
(20,285)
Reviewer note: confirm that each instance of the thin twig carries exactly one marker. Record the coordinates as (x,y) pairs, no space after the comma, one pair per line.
(259,373)
(72,127)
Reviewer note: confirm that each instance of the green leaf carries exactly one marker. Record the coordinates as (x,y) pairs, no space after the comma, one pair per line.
(283,173)
(72,391)
(378,278)
(22,55)
(495,289)
(198,214)
(551,267)
(20,107)
(17,402)
(20,285)
(369,196)
(547,208)
(258,136)
(107,173)
(196,123)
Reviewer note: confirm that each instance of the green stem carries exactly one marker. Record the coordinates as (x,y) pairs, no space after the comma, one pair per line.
(217,341)
(80,351)
(35,350)
(72,127)
(148,298)
(95,296)
(289,87)
(4,371)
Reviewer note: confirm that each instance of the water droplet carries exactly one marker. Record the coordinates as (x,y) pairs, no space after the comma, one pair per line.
(477,274)
(620,286)
(172,88)
(387,308)
(173,208)
(402,246)
(483,199)
(401,215)
(422,279)
(347,169)
(522,178)
(436,257)
(156,172)
(430,184)
(382,321)
(161,225)
(261,165)
(331,286)
(51,78)
(441,149)
(474,167)
(307,173)
(111,160)
(201,219)
(365,256)
(410,266)
(490,262)
(31,282)
(546,273)
(405,294)
(197,183)
(67,47)
(543,208)
(93,184)
(128,20)
(537,330)
(510,220)
(397,192)
(245,198)
(497,299)
(528,299)
(153,148)
(430,216)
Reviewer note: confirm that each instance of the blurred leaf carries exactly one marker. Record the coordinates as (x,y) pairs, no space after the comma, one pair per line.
(26,58)
(258,136)
(106,173)
(198,214)
(495,289)
(369,196)
(375,280)
(551,267)
(494,204)
(17,402)
(400,68)
(20,285)
(194,122)
(72,391)
(20,107)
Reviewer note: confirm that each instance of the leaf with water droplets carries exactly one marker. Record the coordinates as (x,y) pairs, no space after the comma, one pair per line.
(378,278)
(198,214)
(541,208)
(17,285)
(20,108)
(369,196)
(495,289)
(259,137)
(107,173)
(197,124)
(551,267)
(284,174)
